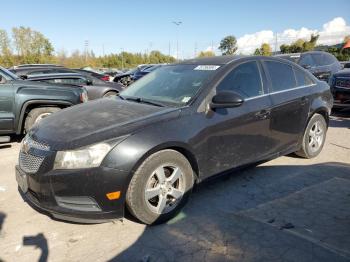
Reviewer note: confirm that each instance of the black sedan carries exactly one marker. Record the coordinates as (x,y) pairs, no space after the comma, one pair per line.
(177,126)
(322,64)
(95,87)
(340,87)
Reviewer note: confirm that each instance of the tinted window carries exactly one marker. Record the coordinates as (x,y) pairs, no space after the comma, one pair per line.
(67,81)
(244,80)
(282,76)
(302,78)
(329,59)
(306,60)
(320,60)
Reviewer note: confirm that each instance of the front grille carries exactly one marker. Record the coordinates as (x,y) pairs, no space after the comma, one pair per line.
(342,82)
(29,163)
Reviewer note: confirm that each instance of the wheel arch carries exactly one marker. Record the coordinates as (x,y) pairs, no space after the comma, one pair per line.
(29,105)
(182,148)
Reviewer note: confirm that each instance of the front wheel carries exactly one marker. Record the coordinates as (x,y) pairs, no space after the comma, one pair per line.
(160,187)
(314,137)
(37,114)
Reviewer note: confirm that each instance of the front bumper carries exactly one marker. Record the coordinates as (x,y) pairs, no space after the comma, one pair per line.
(75,195)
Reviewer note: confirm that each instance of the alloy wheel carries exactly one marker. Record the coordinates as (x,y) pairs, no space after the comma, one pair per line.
(164,189)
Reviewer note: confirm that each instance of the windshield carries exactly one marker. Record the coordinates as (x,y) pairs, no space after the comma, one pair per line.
(9,74)
(174,84)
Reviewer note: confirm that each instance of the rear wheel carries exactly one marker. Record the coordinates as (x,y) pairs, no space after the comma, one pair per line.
(37,114)
(314,137)
(160,187)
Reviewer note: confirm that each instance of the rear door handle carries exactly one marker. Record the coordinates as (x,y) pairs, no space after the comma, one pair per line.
(263,114)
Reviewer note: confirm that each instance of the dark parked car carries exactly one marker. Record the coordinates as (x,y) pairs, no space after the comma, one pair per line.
(141,73)
(25,71)
(293,57)
(340,87)
(319,63)
(128,77)
(24,103)
(95,87)
(177,126)
(345,64)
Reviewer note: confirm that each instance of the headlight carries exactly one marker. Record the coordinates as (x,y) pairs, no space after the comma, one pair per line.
(85,157)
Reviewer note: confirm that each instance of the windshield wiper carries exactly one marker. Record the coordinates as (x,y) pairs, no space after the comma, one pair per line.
(144,101)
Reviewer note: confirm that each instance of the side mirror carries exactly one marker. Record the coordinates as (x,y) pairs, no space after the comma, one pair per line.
(306,66)
(226,99)
(89,82)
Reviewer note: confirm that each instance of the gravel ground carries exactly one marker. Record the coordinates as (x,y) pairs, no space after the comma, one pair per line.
(288,209)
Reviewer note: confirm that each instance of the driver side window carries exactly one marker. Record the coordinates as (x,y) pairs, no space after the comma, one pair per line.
(2,79)
(245,80)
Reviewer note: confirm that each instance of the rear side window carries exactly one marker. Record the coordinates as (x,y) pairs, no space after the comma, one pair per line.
(306,60)
(67,81)
(322,59)
(244,79)
(329,59)
(302,78)
(281,75)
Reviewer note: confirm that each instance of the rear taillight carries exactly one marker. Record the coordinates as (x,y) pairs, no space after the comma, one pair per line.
(83,96)
(105,78)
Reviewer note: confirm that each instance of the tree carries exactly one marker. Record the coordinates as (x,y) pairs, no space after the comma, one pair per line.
(32,46)
(228,45)
(208,53)
(300,45)
(257,52)
(6,57)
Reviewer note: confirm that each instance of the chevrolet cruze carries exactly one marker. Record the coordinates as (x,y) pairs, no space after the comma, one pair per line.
(177,126)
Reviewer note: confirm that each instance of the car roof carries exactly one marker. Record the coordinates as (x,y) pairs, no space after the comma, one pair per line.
(214,60)
(55,75)
(36,65)
(288,54)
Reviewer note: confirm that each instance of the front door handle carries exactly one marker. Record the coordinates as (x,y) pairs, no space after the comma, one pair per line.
(263,114)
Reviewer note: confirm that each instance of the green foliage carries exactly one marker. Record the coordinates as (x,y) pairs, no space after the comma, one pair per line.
(300,45)
(264,50)
(228,45)
(33,47)
(6,56)
(206,54)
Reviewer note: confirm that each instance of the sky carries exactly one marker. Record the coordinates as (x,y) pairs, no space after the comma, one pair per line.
(140,26)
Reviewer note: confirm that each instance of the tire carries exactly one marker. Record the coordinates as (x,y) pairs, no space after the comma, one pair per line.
(110,94)
(148,208)
(314,137)
(36,114)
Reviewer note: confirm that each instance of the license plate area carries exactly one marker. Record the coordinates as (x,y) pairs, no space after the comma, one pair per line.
(22,180)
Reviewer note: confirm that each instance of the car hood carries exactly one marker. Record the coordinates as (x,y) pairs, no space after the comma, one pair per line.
(97,121)
(343,73)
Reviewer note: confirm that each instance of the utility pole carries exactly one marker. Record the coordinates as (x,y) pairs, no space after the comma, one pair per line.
(86,44)
(177,23)
(122,55)
(276,43)
(169,49)
(195,49)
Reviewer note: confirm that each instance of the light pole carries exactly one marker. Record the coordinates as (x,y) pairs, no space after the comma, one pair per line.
(122,54)
(177,23)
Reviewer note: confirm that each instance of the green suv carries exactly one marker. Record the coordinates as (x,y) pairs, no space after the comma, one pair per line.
(24,103)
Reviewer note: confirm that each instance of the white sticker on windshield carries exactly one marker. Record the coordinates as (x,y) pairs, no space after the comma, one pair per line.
(206,67)
(186,99)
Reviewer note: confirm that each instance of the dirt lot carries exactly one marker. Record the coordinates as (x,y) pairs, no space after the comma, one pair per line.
(288,209)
